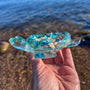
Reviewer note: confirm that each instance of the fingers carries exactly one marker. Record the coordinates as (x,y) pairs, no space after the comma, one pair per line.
(49,61)
(68,60)
(59,58)
(64,57)
(34,62)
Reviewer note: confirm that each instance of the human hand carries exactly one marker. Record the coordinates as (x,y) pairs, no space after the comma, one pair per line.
(55,73)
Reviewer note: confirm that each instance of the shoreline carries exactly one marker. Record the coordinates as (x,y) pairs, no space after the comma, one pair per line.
(15,70)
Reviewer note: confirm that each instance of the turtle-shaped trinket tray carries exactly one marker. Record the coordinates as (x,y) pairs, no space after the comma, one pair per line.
(44,45)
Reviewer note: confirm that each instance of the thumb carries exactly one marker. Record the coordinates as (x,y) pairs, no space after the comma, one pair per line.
(35,62)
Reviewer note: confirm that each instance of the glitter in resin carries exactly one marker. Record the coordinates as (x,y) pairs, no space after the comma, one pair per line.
(44,45)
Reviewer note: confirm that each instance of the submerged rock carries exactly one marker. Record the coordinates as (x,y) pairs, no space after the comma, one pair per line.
(3,46)
(87,37)
(85,41)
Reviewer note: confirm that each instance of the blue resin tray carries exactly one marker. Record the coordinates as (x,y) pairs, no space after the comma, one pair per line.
(44,45)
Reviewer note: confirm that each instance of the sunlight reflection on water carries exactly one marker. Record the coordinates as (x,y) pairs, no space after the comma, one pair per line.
(21,11)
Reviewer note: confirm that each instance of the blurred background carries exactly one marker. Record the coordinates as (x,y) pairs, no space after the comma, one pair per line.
(15,13)
(26,17)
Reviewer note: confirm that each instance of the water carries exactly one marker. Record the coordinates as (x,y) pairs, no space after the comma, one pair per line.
(14,12)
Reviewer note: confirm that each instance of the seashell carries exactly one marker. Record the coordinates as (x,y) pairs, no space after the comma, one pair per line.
(52,45)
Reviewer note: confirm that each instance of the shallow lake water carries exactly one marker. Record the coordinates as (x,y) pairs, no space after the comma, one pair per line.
(13,12)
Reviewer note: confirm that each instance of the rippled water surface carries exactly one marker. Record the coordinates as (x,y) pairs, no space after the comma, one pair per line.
(14,12)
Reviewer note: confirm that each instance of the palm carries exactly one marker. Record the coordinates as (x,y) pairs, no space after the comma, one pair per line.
(56,74)
(59,78)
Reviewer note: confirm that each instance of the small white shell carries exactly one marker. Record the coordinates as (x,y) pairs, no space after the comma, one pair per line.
(52,45)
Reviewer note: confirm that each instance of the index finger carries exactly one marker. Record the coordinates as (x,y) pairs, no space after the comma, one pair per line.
(68,59)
